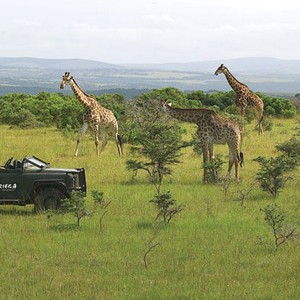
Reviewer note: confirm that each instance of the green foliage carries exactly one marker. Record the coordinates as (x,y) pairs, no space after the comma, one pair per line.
(279,107)
(100,202)
(267,124)
(165,204)
(24,119)
(219,100)
(160,145)
(214,169)
(41,110)
(298,128)
(272,175)
(98,197)
(169,94)
(275,217)
(75,205)
(65,112)
(291,149)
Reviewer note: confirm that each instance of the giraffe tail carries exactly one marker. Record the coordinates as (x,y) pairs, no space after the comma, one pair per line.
(241,156)
(241,159)
(261,118)
(120,143)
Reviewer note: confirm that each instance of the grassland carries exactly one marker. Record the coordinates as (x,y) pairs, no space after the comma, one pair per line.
(214,249)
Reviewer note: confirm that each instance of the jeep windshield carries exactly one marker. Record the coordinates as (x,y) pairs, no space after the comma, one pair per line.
(33,161)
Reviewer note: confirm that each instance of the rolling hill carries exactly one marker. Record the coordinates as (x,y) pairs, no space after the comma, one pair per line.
(32,75)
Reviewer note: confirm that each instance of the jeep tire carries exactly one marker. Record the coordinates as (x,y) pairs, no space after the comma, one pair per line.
(48,199)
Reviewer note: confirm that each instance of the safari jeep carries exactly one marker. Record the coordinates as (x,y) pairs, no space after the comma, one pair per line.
(33,181)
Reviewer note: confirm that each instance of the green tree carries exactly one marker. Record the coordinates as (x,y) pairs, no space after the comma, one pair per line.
(279,107)
(165,205)
(275,217)
(291,149)
(75,205)
(160,146)
(272,174)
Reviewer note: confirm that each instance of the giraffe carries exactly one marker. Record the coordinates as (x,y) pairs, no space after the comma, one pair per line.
(245,98)
(212,129)
(99,118)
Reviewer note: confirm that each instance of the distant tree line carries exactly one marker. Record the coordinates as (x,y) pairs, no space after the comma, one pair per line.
(65,112)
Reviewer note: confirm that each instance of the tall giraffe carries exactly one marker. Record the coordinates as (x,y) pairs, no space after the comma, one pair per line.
(245,98)
(99,118)
(212,129)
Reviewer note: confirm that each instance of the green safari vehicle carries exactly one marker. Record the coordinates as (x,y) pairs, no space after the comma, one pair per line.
(33,181)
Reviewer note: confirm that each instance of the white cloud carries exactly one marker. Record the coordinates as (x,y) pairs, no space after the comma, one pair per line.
(121,31)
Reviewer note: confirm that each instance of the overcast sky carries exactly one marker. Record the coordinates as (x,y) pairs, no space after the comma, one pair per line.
(150,31)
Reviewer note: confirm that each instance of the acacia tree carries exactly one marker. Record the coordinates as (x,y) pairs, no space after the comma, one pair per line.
(158,142)
(159,146)
(75,205)
(291,149)
(272,175)
(274,215)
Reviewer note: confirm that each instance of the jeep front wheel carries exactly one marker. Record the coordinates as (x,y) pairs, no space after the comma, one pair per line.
(48,199)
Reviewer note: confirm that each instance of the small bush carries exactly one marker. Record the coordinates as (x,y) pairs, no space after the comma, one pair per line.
(275,218)
(272,175)
(165,205)
(160,145)
(214,169)
(100,202)
(75,205)
(291,149)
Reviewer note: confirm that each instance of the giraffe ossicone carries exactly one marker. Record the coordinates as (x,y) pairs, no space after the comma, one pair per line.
(99,118)
(245,98)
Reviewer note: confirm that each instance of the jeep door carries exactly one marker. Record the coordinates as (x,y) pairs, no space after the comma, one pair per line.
(11,184)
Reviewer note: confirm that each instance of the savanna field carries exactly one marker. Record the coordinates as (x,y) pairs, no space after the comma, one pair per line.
(215,248)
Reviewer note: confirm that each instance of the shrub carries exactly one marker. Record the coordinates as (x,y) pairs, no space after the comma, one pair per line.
(291,149)
(24,119)
(75,205)
(100,202)
(272,175)
(214,169)
(160,145)
(165,204)
(275,217)
(279,107)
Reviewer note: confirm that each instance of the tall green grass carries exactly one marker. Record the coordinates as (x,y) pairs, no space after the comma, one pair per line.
(214,249)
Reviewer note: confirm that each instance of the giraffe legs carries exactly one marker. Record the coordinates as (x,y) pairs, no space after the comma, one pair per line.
(233,159)
(260,119)
(211,160)
(208,162)
(205,161)
(103,136)
(119,143)
(104,142)
(83,131)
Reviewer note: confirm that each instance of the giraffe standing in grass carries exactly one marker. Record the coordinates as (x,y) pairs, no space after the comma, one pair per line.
(212,129)
(245,98)
(99,118)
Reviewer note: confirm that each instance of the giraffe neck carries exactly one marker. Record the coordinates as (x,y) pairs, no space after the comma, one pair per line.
(81,96)
(233,82)
(184,115)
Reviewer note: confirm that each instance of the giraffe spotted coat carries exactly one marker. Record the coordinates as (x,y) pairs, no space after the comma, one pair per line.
(99,118)
(212,129)
(245,98)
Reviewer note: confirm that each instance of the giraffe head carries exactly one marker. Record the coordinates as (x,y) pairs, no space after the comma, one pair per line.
(65,79)
(165,104)
(220,70)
